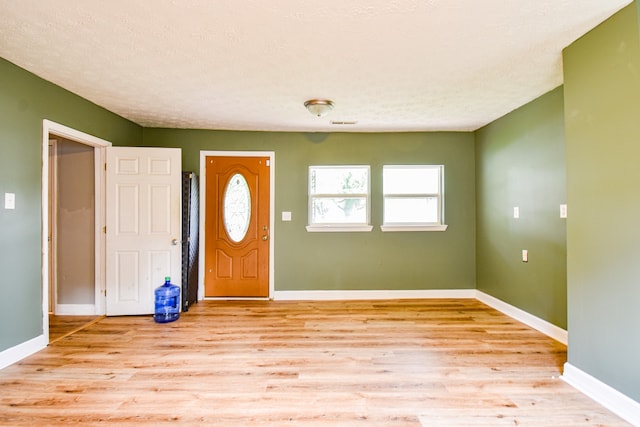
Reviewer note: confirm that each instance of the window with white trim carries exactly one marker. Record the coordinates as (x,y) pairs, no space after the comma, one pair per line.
(413,197)
(339,198)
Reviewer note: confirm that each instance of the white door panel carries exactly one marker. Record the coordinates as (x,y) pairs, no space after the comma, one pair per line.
(143,226)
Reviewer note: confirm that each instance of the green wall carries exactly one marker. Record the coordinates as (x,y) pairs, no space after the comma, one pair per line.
(25,100)
(602,113)
(520,161)
(356,261)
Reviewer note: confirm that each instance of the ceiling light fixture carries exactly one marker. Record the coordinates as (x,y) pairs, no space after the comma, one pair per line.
(319,107)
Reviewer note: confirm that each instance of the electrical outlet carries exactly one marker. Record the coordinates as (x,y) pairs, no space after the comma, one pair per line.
(9,200)
(525,255)
(563,211)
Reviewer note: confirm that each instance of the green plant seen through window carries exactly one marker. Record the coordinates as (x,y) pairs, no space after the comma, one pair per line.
(338,194)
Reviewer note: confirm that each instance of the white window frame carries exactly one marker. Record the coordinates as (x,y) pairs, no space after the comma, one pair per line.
(439,225)
(339,227)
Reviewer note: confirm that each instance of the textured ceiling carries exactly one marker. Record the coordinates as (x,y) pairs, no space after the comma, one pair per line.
(389,65)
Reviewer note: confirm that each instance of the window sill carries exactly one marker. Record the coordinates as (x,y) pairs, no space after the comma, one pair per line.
(338,229)
(394,228)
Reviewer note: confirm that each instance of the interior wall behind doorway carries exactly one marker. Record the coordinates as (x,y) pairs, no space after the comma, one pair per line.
(74,231)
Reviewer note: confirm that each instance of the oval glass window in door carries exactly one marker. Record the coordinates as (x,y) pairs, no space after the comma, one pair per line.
(237,207)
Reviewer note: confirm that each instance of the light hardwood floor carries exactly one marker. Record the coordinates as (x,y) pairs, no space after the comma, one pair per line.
(358,363)
(62,326)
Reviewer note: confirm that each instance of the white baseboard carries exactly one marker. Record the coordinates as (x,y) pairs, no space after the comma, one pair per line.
(618,403)
(20,351)
(541,325)
(371,294)
(75,309)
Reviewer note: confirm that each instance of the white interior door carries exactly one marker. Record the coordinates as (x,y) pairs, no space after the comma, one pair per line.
(143,226)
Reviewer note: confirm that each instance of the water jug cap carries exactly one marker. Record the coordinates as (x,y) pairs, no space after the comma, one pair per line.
(167,278)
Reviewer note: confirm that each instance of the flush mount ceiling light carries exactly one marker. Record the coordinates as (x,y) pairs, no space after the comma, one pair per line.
(319,107)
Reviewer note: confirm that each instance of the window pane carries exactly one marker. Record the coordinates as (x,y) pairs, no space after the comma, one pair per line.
(411,180)
(345,180)
(339,210)
(414,210)
(237,208)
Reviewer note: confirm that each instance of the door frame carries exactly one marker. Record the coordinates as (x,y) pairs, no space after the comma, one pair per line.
(203,199)
(52,128)
(52,219)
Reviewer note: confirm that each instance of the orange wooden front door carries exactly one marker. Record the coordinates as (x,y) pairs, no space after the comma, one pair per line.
(237,236)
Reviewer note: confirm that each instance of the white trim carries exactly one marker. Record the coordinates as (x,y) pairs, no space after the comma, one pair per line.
(396,228)
(537,323)
(338,228)
(439,195)
(272,213)
(52,219)
(73,134)
(75,309)
(100,236)
(45,231)
(334,295)
(618,403)
(16,353)
(53,128)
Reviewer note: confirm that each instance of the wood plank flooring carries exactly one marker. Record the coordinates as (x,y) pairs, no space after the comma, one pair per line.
(62,326)
(331,363)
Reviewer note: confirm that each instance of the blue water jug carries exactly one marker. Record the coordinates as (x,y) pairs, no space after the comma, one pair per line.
(167,302)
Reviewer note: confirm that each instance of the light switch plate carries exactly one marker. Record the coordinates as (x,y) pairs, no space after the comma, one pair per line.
(563,211)
(9,200)
(516,212)
(525,255)
(286,216)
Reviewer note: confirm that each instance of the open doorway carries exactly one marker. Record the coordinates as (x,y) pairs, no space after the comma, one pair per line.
(73,242)
(71,236)
(71,228)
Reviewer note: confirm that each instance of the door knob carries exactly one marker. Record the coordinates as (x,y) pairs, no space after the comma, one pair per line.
(265,237)
(174,242)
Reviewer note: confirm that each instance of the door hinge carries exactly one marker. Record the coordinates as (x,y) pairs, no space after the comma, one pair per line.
(268,163)
(104,229)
